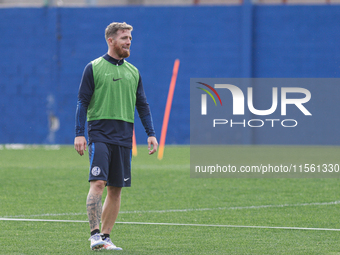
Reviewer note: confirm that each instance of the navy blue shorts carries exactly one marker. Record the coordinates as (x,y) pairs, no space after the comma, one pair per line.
(110,163)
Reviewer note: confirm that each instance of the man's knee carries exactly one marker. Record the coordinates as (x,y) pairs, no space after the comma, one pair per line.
(97,186)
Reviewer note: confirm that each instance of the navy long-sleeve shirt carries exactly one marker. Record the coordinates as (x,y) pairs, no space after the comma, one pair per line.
(107,130)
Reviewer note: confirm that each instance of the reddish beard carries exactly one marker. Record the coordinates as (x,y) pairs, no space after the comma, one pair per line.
(120,52)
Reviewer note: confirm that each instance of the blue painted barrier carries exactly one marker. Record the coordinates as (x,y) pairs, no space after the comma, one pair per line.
(44,52)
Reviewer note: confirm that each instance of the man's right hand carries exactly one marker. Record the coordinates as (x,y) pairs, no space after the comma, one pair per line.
(80,144)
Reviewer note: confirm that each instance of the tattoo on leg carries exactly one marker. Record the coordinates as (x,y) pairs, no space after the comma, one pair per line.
(94,210)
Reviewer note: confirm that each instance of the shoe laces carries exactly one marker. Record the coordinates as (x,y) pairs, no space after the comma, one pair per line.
(94,237)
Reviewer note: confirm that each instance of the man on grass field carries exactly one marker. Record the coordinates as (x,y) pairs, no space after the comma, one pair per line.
(110,90)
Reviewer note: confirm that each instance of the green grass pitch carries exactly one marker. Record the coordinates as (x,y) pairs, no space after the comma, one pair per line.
(37,183)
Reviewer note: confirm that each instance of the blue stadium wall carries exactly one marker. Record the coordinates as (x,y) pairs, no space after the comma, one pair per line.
(43,52)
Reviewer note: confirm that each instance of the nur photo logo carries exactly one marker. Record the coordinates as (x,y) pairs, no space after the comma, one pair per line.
(204,97)
(289,97)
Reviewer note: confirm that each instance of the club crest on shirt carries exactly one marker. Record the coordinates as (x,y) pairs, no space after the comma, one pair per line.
(95,171)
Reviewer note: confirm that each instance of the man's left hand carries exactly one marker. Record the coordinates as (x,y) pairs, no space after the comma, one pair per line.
(152,141)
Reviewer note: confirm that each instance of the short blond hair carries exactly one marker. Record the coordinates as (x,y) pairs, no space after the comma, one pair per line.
(111,30)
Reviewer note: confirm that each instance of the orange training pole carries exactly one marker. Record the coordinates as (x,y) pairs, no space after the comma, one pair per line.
(168,109)
(134,144)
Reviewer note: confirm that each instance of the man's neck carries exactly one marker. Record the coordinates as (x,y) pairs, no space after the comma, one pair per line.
(113,55)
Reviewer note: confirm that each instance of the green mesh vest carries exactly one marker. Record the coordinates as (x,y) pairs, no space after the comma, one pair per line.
(115,88)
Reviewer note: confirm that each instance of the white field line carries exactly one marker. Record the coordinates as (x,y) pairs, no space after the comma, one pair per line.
(189,210)
(178,224)
(42,220)
(19,146)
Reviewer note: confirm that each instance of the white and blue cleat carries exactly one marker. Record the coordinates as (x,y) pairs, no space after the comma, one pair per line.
(97,242)
(110,246)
